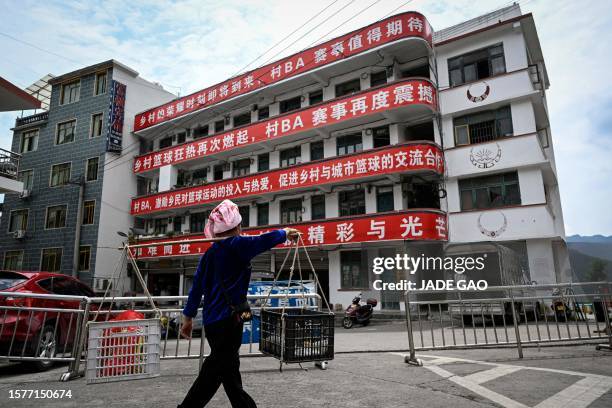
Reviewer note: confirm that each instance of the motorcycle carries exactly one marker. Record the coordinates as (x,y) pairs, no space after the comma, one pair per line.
(560,306)
(358,313)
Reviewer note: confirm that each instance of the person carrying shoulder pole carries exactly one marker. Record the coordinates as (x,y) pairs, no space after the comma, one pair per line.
(223,277)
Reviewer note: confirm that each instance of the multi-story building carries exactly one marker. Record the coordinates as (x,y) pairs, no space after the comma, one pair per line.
(389,139)
(75,168)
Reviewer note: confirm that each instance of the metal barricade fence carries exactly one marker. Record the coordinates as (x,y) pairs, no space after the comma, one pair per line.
(508,316)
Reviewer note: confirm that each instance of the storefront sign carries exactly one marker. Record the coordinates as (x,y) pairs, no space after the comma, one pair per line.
(396,226)
(403,93)
(116,111)
(391,29)
(389,160)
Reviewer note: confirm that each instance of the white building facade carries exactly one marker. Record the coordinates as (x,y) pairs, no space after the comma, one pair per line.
(389,139)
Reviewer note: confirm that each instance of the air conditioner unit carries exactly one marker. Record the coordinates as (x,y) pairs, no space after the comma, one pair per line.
(25,194)
(19,234)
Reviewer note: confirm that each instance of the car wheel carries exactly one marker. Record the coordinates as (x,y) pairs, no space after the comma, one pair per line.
(46,347)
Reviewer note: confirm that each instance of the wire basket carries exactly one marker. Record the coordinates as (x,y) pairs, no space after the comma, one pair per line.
(297,335)
(123,350)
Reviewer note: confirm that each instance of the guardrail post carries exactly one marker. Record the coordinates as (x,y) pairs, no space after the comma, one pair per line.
(411,359)
(517,333)
(77,347)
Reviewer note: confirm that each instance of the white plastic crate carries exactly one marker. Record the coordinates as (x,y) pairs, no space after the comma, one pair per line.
(123,350)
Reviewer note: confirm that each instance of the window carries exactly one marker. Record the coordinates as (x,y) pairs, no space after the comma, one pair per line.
(263,113)
(263,212)
(70,92)
(56,216)
(315,97)
(84,257)
(219,126)
(96,125)
(490,191)
(27,178)
(19,220)
(200,175)
(289,157)
(92,169)
(60,174)
(65,132)
(353,270)
(316,151)
(181,137)
(242,119)
(477,65)
(218,172)
(381,136)
(483,126)
(159,226)
(317,204)
(292,104)
(197,221)
(378,78)
(29,141)
(349,144)
(244,213)
(384,199)
(177,224)
(291,211)
(200,132)
(51,260)
(241,167)
(165,142)
(89,211)
(351,202)
(13,261)
(348,87)
(418,71)
(263,162)
(100,83)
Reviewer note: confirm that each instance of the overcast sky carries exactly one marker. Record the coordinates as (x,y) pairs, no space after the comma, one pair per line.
(188,45)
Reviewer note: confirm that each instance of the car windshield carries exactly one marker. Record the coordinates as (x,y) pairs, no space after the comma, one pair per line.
(10,279)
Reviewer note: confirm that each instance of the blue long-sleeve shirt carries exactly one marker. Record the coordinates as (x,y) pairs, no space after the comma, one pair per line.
(229,260)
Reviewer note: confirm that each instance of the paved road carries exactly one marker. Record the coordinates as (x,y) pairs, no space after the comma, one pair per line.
(555,377)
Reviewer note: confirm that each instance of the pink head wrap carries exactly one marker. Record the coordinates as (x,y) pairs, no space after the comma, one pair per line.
(223,218)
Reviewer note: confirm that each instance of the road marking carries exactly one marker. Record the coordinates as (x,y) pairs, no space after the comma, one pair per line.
(578,395)
(488,375)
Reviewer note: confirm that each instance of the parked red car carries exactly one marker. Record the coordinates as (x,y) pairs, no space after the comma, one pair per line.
(22,330)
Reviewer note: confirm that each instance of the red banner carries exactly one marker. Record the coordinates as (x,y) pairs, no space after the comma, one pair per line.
(388,160)
(391,29)
(401,225)
(403,93)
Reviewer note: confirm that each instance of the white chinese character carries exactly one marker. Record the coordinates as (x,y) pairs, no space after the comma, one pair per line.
(293,177)
(386,162)
(212,94)
(201,99)
(314,174)
(410,226)
(349,168)
(215,144)
(224,90)
(265,183)
(400,159)
(137,165)
(242,137)
(151,117)
(236,86)
(180,106)
(316,234)
(403,93)
(361,166)
(283,180)
(143,120)
(416,157)
(168,157)
(178,154)
(157,160)
(167,249)
(337,170)
(374,35)
(425,93)
(430,158)
(319,116)
(441,227)
(320,55)
(338,110)
(190,151)
(276,72)
(161,113)
(337,49)
(377,228)
(358,105)
(272,129)
(248,81)
(202,148)
(394,28)
(170,110)
(147,162)
(415,24)
(374,163)
(345,232)
(228,140)
(380,100)
(355,42)
(184,248)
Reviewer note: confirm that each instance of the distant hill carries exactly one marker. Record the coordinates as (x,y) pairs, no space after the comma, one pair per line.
(583,250)
(590,238)
(581,265)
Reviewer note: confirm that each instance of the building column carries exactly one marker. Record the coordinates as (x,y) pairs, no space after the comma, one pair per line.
(167,178)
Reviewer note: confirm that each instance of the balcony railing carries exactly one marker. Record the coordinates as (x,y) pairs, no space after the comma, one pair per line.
(28,120)
(9,164)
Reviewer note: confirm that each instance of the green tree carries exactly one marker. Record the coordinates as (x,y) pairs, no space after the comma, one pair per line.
(598,271)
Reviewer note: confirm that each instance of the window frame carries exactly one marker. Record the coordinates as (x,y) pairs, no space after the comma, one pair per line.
(461,65)
(314,217)
(361,265)
(290,101)
(383,74)
(267,161)
(97,158)
(496,119)
(238,170)
(379,195)
(263,113)
(86,211)
(81,248)
(21,142)
(346,145)
(19,177)
(297,158)
(503,185)
(316,146)
(316,93)
(245,213)
(51,174)
(42,257)
(299,211)
(47,216)
(246,114)
(12,252)
(10,223)
(346,84)
(345,201)
(57,132)
(260,207)
(63,92)
(92,125)
(96,84)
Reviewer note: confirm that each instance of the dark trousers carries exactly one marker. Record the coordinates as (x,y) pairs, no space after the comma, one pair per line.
(222,366)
